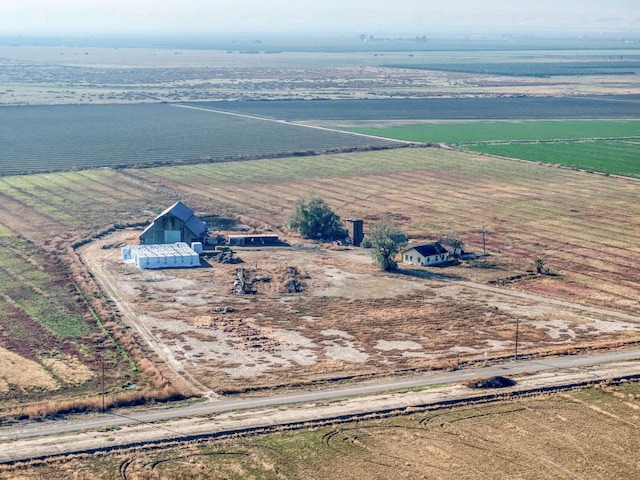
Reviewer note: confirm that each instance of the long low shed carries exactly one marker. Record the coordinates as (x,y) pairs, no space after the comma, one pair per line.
(254,240)
(174,255)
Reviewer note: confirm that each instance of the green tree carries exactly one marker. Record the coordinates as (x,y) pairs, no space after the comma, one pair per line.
(384,240)
(315,220)
(453,243)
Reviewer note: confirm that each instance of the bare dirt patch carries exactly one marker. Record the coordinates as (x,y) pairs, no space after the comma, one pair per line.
(348,319)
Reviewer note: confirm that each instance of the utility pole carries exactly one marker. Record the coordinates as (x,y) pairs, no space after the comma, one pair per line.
(102,362)
(515,354)
(484,242)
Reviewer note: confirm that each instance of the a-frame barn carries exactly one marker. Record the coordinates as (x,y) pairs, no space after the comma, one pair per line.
(177,223)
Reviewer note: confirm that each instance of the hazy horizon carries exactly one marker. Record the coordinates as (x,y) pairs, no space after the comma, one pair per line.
(377,17)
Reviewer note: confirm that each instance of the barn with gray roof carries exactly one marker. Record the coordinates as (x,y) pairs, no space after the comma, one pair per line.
(177,223)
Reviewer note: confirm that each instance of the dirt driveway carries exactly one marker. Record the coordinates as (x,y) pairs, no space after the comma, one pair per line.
(319,314)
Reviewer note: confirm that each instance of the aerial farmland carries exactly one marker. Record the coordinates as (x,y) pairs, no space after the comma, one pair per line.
(524,164)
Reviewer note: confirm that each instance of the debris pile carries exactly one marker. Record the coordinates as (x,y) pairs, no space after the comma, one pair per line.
(227,257)
(243,283)
(293,282)
(224,309)
(490,382)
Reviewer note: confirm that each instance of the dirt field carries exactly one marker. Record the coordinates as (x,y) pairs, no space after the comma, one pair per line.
(347,319)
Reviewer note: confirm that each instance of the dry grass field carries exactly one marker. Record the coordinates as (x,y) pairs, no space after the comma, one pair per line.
(560,436)
(350,320)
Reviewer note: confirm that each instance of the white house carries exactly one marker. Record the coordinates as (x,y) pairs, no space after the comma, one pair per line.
(425,254)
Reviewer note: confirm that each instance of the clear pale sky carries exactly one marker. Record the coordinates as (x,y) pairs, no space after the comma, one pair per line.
(33,17)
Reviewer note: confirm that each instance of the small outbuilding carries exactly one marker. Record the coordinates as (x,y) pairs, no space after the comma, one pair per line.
(355,228)
(425,254)
(177,223)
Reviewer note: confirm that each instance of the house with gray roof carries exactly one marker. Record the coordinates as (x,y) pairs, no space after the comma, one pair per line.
(177,223)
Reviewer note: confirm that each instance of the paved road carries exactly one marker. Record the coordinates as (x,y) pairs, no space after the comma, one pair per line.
(39,429)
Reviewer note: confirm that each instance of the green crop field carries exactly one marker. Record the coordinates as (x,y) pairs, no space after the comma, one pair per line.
(71,137)
(481,131)
(607,146)
(613,157)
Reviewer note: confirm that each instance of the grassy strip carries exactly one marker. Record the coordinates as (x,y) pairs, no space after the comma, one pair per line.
(130,398)
(62,324)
